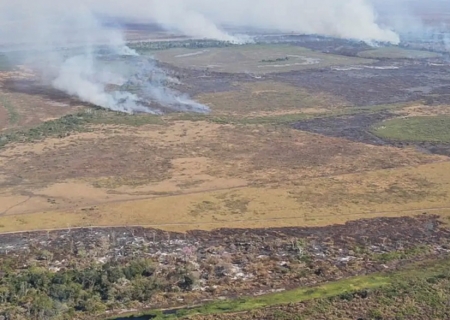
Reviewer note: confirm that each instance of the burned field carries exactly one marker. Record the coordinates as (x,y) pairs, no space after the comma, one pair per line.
(393,75)
(198,266)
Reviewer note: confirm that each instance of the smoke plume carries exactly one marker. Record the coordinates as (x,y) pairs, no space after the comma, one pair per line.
(353,19)
(63,37)
(68,44)
(365,20)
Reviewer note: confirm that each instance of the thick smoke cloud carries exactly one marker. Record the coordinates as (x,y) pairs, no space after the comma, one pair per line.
(62,40)
(354,19)
(46,26)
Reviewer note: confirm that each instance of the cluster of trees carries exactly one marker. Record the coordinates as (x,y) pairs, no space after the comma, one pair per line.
(275,60)
(191,44)
(37,293)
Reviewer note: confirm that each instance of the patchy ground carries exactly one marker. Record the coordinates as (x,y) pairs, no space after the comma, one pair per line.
(425,133)
(230,263)
(175,163)
(25,103)
(257,59)
(268,98)
(397,53)
(293,146)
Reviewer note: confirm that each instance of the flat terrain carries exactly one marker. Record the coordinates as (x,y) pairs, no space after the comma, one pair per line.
(24,105)
(315,172)
(421,129)
(275,150)
(258,59)
(397,53)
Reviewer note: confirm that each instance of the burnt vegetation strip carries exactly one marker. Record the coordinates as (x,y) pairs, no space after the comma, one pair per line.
(425,288)
(352,127)
(84,273)
(428,280)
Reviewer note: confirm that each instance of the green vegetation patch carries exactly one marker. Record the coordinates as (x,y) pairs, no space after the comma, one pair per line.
(67,294)
(149,46)
(397,53)
(78,122)
(388,285)
(81,121)
(416,129)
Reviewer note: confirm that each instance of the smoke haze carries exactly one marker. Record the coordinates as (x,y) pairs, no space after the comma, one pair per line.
(62,41)
(46,26)
(353,19)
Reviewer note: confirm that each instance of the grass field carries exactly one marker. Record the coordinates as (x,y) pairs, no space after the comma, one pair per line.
(242,165)
(258,59)
(136,169)
(397,53)
(306,202)
(270,99)
(432,129)
(21,111)
(247,164)
(71,123)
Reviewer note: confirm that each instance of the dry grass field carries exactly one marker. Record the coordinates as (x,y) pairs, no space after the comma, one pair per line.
(244,165)
(270,98)
(203,174)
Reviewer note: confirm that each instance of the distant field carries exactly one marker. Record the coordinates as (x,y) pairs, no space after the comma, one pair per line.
(428,128)
(269,98)
(258,59)
(397,53)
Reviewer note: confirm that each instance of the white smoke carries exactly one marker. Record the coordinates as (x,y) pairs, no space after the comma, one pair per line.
(47,26)
(62,41)
(355,19)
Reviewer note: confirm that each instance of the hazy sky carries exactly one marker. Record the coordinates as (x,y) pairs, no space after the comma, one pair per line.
(43,19)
